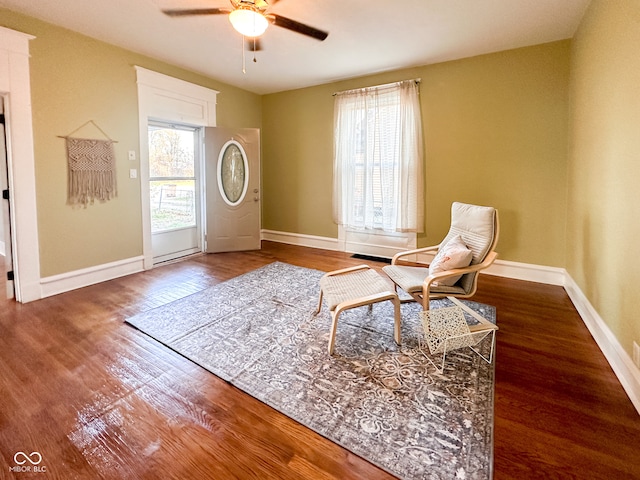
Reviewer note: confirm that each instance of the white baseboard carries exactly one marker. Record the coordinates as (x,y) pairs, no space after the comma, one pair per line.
(66,282)
(621,363)
(528,272)
(312,241)
(501,268)
(383,251)
(616,355)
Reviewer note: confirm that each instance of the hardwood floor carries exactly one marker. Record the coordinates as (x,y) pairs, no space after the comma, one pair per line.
(98,399)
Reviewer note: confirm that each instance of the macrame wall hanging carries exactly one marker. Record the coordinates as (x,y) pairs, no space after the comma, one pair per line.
(92,168)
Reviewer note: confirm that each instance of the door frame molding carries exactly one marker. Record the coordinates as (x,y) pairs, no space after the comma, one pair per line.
(166,99)
(15,85)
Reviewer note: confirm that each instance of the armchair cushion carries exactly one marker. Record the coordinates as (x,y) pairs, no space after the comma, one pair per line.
(454,254)
(476,225)
(410,279)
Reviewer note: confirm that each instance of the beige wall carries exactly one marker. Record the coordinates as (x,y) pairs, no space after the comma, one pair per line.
(495,133)
(495,129)
(75,79)
(604,164)
(548,134)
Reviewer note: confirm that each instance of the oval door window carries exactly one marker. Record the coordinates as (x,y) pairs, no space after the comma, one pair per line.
(233,172)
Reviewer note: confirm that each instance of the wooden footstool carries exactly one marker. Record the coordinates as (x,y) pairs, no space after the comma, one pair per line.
(354,287)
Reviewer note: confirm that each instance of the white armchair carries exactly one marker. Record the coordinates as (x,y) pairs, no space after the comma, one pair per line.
(478,229)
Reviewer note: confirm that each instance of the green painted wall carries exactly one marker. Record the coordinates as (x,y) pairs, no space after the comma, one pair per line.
(548,134)
(603,168)
(75,79)
(495,130)
(495,133)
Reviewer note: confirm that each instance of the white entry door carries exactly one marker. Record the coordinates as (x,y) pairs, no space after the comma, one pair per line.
(232,164)
(174,191)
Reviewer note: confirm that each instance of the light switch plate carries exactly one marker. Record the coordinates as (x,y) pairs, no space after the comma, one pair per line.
(133,173)
(132,155)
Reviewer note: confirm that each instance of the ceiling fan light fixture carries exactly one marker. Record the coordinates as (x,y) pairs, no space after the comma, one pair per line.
(248,22)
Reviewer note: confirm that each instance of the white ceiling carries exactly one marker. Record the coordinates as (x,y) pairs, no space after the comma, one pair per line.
(365,36)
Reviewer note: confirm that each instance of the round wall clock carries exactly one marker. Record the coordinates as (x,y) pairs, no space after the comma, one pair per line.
(233,172)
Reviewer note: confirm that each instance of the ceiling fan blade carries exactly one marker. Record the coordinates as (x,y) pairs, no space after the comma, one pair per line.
(178,12)
(298,27)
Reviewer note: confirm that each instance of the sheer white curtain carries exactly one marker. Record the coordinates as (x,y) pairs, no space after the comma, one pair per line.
(378,180)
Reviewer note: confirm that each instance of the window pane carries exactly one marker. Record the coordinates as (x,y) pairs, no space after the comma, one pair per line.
(172,170)
(172,204)
(377,154)
(171,152)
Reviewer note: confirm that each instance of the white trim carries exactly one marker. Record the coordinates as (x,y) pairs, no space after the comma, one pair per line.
(203,99)
(383,251)
(15,82)
(176,255)
(376,243)
(528,272)
(68,281)
(621,363)
(166,99)
(516,270)
(501,268)
(3,252)
(311,241)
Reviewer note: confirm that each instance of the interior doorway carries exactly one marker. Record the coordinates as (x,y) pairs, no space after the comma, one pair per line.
(174,190)
(6,257)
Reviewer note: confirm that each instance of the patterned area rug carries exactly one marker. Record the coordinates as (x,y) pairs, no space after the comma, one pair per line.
(383,402)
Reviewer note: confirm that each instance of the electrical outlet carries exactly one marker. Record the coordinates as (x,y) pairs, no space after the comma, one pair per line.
(636,354)
(132,155)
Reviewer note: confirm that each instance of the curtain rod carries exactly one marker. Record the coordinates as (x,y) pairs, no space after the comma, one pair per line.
(416,80)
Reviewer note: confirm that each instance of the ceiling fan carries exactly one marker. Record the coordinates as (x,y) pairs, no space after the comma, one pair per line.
(251,19)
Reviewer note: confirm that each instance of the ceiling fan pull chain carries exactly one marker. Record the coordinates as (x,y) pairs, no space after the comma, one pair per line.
(244,68)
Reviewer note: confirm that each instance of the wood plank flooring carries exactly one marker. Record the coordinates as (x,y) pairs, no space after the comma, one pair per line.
(98,399)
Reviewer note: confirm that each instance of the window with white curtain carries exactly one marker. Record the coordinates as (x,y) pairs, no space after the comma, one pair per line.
(378,180)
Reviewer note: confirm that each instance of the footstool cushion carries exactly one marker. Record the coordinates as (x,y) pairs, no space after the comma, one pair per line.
(354,287)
